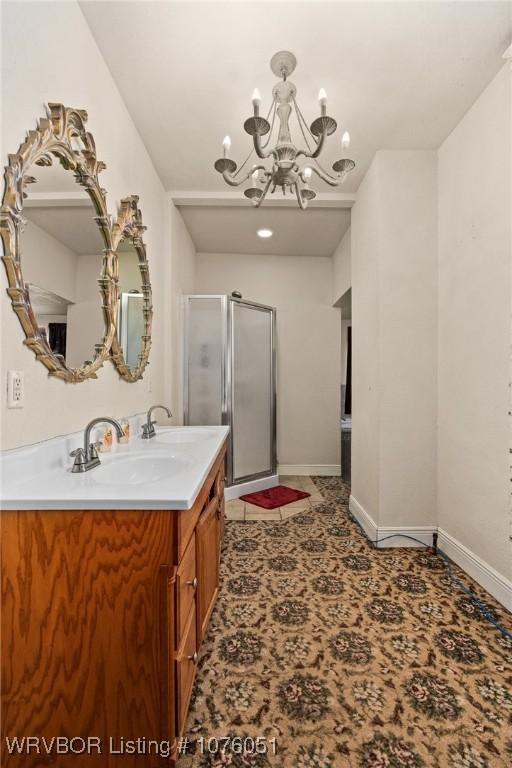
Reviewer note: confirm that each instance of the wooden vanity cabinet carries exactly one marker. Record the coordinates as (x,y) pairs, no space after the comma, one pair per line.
(197,558)
(102,617)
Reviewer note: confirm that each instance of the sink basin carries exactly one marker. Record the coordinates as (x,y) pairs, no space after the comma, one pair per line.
(185,435)
(138,469)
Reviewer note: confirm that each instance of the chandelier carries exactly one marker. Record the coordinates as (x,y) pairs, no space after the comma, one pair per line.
(291,167)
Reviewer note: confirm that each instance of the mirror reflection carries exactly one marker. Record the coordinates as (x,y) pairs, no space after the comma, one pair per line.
(62,254)
(130,323)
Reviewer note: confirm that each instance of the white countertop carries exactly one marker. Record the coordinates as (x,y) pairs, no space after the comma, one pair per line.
(165,472)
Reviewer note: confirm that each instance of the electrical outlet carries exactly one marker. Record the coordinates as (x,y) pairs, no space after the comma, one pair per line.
(15,389)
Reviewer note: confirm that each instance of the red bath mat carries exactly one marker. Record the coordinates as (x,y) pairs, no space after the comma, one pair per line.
(274,497)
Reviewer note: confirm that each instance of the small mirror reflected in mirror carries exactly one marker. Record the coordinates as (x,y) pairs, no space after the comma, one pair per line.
(130,323)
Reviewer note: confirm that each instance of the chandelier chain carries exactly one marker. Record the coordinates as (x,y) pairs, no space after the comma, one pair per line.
(274,105)
(301,121)
(301,117)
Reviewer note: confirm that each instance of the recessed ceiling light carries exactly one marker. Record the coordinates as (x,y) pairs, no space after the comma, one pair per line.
(264,233)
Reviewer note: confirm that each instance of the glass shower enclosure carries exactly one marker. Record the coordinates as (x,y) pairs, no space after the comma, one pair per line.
(230,378)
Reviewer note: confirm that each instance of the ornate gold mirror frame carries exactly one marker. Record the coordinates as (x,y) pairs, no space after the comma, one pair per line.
(129,226)
(57,136)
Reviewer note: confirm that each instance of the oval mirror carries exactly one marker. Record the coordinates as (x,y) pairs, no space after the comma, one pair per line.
(132,342)
(58,246)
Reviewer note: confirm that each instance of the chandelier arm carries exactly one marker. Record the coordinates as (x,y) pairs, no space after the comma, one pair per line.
(233,182)
(259,150)
(264,190)
(316,152)
(273,105)
(334,181)
(342,176)
(302,125)
(239,170)
(302,203)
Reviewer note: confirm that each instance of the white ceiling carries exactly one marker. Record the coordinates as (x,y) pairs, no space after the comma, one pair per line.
(233,230)
(398,75)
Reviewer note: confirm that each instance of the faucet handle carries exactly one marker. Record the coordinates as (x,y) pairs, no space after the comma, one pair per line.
(79,463)
(148,430)
(93,450)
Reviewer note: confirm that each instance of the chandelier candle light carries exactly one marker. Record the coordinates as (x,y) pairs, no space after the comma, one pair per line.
(287,170)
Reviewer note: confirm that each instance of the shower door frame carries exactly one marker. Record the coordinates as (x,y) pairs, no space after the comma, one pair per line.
(227,361)
(273,390)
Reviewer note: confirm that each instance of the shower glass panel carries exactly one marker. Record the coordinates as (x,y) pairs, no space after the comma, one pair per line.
(229,378)
(251,394)
(204,374)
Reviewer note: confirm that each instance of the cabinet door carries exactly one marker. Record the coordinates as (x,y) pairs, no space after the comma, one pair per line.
(219,493)
(186,584)
(186,660)
(207,559)
(167,632)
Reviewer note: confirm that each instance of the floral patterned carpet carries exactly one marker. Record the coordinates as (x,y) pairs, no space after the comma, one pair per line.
(346,655)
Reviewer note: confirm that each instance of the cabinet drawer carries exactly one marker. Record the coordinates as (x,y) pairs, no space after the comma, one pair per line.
(186,662)
(186,584)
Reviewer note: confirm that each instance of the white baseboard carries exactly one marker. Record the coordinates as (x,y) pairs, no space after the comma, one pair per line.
(366,522)
(492,581)
(400,536)
(296,470)
(234,491)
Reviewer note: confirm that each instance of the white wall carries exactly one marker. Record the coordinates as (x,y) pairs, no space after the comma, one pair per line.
(341,268)
(408,338)
(474,327)
(342,282)
(183,271)
(64,65)
(86,326)
(308,344)
(394,305)
(365,343)
(48,263)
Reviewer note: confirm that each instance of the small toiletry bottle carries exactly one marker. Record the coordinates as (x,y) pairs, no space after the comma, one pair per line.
(125,426)
(104,440)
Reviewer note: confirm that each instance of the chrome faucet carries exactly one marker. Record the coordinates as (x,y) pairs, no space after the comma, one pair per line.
(148,429)
(87,458)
